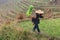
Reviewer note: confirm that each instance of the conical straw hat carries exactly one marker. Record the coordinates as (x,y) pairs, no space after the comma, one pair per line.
(39,12)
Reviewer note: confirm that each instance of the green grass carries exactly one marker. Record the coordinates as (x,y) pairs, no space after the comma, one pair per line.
(23,30)
(50,26)
(11,32)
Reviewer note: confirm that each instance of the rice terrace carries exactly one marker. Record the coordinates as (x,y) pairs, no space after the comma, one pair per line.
(18,19)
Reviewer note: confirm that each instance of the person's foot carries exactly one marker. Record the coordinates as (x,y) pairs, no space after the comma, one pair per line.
(38,32)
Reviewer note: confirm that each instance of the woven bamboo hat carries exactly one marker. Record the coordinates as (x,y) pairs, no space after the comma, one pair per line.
(39,11)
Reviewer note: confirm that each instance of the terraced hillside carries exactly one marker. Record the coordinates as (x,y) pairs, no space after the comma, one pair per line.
(22,30)
(11,8)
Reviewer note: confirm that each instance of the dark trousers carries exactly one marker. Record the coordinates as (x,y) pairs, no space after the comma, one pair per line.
(36,27)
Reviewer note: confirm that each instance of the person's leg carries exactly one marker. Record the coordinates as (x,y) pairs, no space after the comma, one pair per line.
(34,27)
(37,28)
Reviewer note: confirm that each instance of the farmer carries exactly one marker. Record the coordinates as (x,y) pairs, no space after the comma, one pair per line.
(35,19)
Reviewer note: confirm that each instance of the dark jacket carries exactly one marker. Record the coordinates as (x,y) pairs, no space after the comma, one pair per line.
(36,20)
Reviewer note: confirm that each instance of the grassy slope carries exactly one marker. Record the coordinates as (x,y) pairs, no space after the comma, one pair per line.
(23,30)
(50,26)
(12,32)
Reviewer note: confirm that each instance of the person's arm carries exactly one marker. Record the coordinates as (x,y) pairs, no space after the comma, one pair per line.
(41,16)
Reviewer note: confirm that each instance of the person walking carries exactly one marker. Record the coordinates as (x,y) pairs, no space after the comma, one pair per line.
(36,21)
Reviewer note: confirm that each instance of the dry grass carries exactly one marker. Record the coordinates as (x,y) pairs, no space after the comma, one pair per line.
(20,16)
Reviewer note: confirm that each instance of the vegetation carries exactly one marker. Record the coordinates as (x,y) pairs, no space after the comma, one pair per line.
(9,11)
(17,33)
(49,26)
(23,30)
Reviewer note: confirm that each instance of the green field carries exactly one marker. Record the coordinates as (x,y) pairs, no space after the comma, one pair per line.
(23,30)
(49,26)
